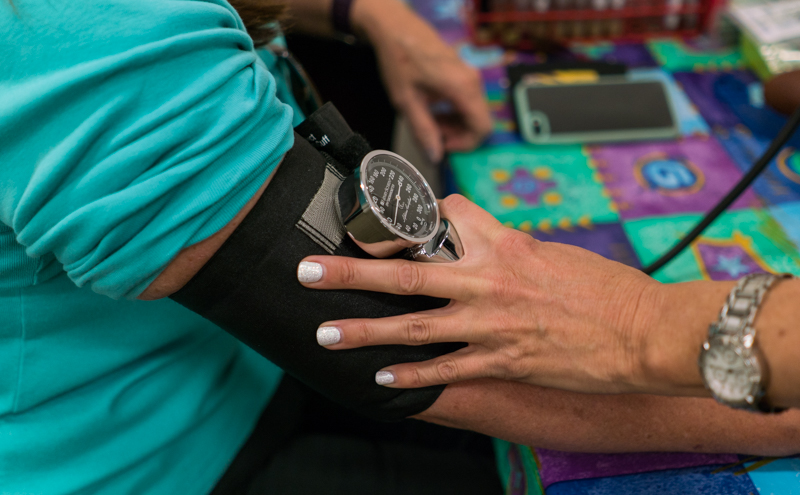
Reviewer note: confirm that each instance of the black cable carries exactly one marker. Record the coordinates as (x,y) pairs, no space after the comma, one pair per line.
(762,163)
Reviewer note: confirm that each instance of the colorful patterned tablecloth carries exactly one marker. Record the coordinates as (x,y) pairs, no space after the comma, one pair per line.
(630,202)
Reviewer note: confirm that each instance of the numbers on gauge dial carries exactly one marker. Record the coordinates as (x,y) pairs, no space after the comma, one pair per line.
(401,196)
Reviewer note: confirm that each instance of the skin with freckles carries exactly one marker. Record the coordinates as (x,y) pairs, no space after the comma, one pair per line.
(555,419)
(526,308)
(557,316)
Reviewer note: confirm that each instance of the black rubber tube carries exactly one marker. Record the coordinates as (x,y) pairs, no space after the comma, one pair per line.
(775,146)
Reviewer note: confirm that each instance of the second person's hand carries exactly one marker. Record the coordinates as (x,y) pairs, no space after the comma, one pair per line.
(419,69)
(543,313)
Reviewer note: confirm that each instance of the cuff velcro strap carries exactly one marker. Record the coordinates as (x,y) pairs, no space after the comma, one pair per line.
(250,289)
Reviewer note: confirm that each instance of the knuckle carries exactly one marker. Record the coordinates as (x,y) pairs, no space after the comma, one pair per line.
(514,368)
(364,333)
(514,242)
(348,272)
(513,350)
(418,330)
(410,278)
(447,370)
(508,364)
(501,367)
(456,203)
(415,377)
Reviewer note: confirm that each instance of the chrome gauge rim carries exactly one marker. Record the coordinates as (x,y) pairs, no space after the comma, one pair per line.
(418,178)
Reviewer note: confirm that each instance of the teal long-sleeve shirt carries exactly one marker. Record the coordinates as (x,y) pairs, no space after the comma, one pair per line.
(129,130)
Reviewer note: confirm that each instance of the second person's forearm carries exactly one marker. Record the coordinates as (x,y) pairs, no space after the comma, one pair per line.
(560,420)
(678,325)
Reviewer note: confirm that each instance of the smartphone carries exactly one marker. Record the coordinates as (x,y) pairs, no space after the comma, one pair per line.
(606,110)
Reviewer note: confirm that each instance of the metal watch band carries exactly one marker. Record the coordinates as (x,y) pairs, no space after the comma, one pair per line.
(740,309)
(736,320)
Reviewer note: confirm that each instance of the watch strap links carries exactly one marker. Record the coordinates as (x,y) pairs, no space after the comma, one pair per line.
(740,309)
(736,323)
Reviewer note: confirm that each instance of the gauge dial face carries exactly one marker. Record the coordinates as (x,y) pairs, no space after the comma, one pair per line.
(400,196)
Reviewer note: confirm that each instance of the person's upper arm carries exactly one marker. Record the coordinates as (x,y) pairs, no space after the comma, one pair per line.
(130,131)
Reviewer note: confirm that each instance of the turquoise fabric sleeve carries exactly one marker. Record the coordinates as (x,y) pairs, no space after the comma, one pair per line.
(129,131)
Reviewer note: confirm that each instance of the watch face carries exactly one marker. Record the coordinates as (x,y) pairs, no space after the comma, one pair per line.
(729,375)
(399,196)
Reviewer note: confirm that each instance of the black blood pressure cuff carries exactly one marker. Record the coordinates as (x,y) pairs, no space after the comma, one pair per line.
(250,289)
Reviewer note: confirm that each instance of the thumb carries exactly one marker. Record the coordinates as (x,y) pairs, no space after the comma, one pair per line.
(473,224)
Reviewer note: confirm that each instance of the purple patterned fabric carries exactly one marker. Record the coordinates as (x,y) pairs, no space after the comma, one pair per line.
(631,54)
(727,262)
(558,466)
(699,86)
(664,178)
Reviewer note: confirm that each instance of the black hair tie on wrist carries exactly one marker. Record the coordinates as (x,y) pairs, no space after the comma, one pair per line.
(340,15)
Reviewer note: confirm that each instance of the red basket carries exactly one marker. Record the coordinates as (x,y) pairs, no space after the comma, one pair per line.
(523,24)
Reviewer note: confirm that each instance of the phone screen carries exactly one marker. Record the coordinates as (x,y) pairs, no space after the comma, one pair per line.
(602,107)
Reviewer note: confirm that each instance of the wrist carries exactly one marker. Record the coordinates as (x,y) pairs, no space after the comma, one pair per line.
(677,331)
(649,304)
(375,20)
(774,338)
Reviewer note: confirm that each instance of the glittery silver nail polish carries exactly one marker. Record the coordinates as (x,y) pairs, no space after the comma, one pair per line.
(308,271)
(384,378)
(328,335)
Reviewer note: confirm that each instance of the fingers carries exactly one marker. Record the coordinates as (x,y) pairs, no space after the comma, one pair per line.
(457,207)
(424,126)
(391,276)
(463,128)
(465,364)
(474,225)
(426,327)
(473,118)
(456,136)
(468,120)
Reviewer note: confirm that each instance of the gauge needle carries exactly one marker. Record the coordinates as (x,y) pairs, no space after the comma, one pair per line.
(397,205)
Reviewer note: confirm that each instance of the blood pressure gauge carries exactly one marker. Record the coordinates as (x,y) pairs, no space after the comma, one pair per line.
(396,209)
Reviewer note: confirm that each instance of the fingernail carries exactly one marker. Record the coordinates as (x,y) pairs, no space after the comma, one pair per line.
(384,378)
(328,335)
(308,271)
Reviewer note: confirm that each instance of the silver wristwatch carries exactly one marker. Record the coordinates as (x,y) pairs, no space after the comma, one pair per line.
(732,367)
(396,209)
